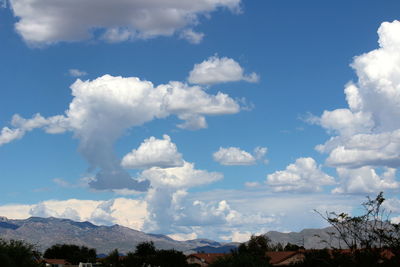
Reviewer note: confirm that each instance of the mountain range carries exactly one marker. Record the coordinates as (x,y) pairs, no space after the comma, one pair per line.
(45,232)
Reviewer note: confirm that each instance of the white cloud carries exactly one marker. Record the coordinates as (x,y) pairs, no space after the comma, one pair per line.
(238,236)
(179,177)
(368,131)
(61,182)
(16,211)
(214,214)
(183,236)
(103,109)
(366,180)
(233,156)
(76,72)
(236,156)
(47,22)
(252,184)
(8,135)
(192,36)
(304,175)
(153,153)
(219,70)
(117,35)
(51,125)
(392,205)
(127,212)
(380,149)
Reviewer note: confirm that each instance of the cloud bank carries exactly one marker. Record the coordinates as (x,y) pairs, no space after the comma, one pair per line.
(47,21)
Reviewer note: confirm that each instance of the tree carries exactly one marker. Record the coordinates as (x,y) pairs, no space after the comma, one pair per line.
(15,253)
(372,229)
(371,239)
(250,254)
(72,253)
(170,258)
(292,247)
(147,255)
(112,259)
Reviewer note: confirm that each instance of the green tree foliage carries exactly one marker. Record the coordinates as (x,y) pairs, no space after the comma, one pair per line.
(147,255)
(372,229)
(72,253)
(170,258)
(113,259)
(370,239)
(250,254)
(18,254)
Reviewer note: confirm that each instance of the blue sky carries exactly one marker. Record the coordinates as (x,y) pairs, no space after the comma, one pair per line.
(230,150)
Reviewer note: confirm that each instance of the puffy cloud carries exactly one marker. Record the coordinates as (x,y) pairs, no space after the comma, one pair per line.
(392,205)
(236,156)
(237,236)
(304,175)
(381,149)
(16,211)
(153,153)
(103,109)
(172,211)
(368,131)
(192,36)
(219,70)
(179,177)
(46,21)
(52,125)
(365,180)
(76,73)
(8,135)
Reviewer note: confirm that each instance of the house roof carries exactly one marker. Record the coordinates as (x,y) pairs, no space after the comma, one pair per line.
(207,257)
(279,256)
(56,261)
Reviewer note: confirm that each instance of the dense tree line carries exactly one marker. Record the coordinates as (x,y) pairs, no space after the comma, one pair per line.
(369,239)
(18,254)
(72,253)
(147,255)
(249,254)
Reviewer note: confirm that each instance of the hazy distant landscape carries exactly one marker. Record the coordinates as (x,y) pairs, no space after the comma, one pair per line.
(45,232)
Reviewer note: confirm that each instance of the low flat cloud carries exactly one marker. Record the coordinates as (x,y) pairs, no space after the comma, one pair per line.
(237,156)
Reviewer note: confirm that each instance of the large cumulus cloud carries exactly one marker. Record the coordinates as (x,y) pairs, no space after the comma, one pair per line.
(366,134)
(103,109)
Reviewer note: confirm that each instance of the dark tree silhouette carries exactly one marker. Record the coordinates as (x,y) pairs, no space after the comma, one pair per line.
(15,253)
(250,254)
(72,253)
(147,255)
(113,259)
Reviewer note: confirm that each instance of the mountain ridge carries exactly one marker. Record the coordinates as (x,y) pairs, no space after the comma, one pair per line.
(45,232)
